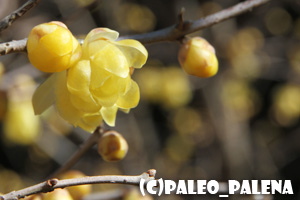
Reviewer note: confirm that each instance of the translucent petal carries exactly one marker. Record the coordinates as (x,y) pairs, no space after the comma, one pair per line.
(107,94)
(100,34)
(44,96)
(78,83)
(94,47)
(113,60)
(78,79)
(77,51)
(134,51)
(131,98)
(125,110)
(63,101)
(98,76)
(90,122)
(109,114)
(84,106)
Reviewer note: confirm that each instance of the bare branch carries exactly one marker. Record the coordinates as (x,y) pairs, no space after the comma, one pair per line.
(91,141)
(14,46)
(171,33)
(8,20)
(53,184)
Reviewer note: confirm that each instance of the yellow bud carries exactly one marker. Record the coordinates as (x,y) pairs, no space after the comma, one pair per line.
(58,194)
(197,57)
(77,192)
(52,47)
(112,146)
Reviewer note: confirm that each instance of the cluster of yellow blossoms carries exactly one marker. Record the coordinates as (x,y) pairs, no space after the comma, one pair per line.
(91,82)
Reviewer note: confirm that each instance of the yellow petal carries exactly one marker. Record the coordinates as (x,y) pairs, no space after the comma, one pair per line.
(113,60)
(38,59)
(94,47)
(90,122)
(131,98)
(77,51)
(100,34)
(78,83)
(125,110)
(107,94)
(63,102)
(61,36)
(109,114)
(36,33)
(134,51)
(44,96)
(98,76)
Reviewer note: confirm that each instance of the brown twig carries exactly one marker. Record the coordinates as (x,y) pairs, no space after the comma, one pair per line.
(171,33)
(11,18)
(53,184)
(91,141)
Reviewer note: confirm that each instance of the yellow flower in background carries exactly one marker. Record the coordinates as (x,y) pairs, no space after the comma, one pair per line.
(21,126)
(98,84)
(52,47)
(168,86)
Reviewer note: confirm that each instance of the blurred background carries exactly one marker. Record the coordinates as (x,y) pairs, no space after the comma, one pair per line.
(242,123)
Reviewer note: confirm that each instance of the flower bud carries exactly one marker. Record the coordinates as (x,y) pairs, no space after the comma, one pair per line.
(52,47)
(112,146)
(77,192)
(197,57)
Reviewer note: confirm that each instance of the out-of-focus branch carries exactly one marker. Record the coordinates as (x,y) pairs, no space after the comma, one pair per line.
(53,184)
(11,18)
(91,141)
(172,33)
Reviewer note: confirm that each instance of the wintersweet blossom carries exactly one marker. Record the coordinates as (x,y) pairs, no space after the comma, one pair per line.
(96,86)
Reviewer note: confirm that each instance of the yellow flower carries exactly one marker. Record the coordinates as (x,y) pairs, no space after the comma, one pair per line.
(52,47)
(98,84)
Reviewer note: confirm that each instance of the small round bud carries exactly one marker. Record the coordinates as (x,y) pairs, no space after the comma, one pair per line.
(197,57)
(77,192)
(52,47)
(112,146)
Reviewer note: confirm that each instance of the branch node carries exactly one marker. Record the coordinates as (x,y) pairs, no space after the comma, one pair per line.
(52,182)
(151,172)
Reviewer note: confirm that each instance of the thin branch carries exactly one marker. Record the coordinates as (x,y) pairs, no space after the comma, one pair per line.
(91,141)
(8,20)
(53,184)
(15,46)
(171,33)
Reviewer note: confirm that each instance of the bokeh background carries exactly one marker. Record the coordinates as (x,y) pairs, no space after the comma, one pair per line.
(241,124)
